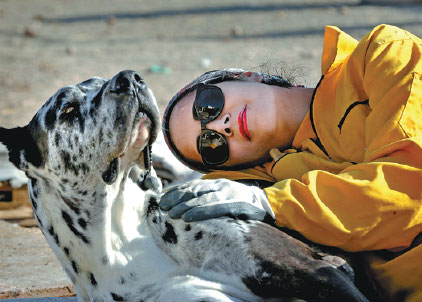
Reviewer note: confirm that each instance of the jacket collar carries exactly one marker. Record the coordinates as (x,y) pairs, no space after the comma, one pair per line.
(337,47)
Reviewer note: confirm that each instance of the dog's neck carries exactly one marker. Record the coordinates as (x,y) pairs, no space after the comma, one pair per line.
(92,232)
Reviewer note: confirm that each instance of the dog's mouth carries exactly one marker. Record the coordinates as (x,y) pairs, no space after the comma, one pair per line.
(145,125)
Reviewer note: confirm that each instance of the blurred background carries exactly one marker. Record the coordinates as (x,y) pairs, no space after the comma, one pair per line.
(46,44)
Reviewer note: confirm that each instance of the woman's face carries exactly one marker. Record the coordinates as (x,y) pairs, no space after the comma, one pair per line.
(252,121)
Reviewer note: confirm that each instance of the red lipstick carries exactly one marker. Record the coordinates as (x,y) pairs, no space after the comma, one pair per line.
(243,124)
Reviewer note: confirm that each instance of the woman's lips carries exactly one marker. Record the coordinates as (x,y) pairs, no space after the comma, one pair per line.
(243,124)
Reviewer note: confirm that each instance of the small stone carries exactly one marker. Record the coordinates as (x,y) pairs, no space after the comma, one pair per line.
(29,32)
(111,21)
(236,31)
(71,49)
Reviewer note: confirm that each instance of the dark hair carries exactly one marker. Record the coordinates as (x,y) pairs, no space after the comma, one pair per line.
(211,77)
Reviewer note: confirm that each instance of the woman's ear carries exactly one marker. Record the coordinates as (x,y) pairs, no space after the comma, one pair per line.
(250,76)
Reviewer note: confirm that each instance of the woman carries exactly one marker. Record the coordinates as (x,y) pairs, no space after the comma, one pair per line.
(346,155)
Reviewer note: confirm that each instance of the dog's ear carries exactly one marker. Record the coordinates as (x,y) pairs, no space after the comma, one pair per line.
(21,146)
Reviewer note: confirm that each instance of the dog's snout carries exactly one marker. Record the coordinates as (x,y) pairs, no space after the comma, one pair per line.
(138,78)
(127,81)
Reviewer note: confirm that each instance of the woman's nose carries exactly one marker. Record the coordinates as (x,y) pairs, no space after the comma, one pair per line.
(222,124)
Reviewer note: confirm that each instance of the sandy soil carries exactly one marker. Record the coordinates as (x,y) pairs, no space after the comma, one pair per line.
(46,44)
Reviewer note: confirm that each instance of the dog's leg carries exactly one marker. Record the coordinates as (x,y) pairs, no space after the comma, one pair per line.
(286,265)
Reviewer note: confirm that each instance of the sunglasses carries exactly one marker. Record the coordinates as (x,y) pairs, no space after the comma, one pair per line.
(208,105)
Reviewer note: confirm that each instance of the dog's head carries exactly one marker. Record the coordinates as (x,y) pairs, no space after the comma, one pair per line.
(93,129)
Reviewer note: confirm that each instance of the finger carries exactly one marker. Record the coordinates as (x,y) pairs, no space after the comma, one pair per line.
(275,153)
(200,213)
(239,210)
(177,211)
(174,197)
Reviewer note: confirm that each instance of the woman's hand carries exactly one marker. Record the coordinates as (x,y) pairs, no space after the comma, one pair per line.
(206,199)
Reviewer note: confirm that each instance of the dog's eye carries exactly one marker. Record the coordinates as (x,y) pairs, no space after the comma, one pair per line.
(69,109)
(69,112)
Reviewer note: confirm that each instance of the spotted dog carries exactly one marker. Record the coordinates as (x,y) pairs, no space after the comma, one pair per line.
(108,231)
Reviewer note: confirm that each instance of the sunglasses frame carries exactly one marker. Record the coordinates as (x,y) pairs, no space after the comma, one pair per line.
(201,87)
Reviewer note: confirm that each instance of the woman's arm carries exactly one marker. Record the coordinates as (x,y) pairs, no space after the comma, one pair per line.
(375,204)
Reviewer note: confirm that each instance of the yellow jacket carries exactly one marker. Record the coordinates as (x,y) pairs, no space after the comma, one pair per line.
(353,177)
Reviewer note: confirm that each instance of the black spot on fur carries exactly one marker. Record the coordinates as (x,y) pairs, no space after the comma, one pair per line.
(82,223)
(50,118)
(39,220)
(120,119)
(169,236)
(152,205)
(57,139)
(71,203)
(69,222)
(198,235)
(116,297)
(69,143)
(60,97)
(75,267)
(84,193)
(66,251)
(154,220)
(188,227)
(65,159)
(84,167)
(132,276)
(122,280)
(54,235)
(81,121)
(34,187)
(69,164)
(100,136)
(96,101)
(93,280)
(34,203)
(104,260)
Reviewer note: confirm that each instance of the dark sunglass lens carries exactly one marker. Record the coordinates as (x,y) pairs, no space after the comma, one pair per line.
(214,148)
(209,102)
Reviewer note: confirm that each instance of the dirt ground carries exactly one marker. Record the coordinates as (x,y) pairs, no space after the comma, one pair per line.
(46,44)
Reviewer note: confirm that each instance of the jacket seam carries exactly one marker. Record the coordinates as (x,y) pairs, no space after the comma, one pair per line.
(275,163)
(348,110)
(317,141)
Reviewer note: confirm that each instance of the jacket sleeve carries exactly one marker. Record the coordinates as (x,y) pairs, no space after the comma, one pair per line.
(375,204)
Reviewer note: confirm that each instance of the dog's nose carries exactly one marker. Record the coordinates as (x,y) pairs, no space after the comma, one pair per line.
(127,81)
